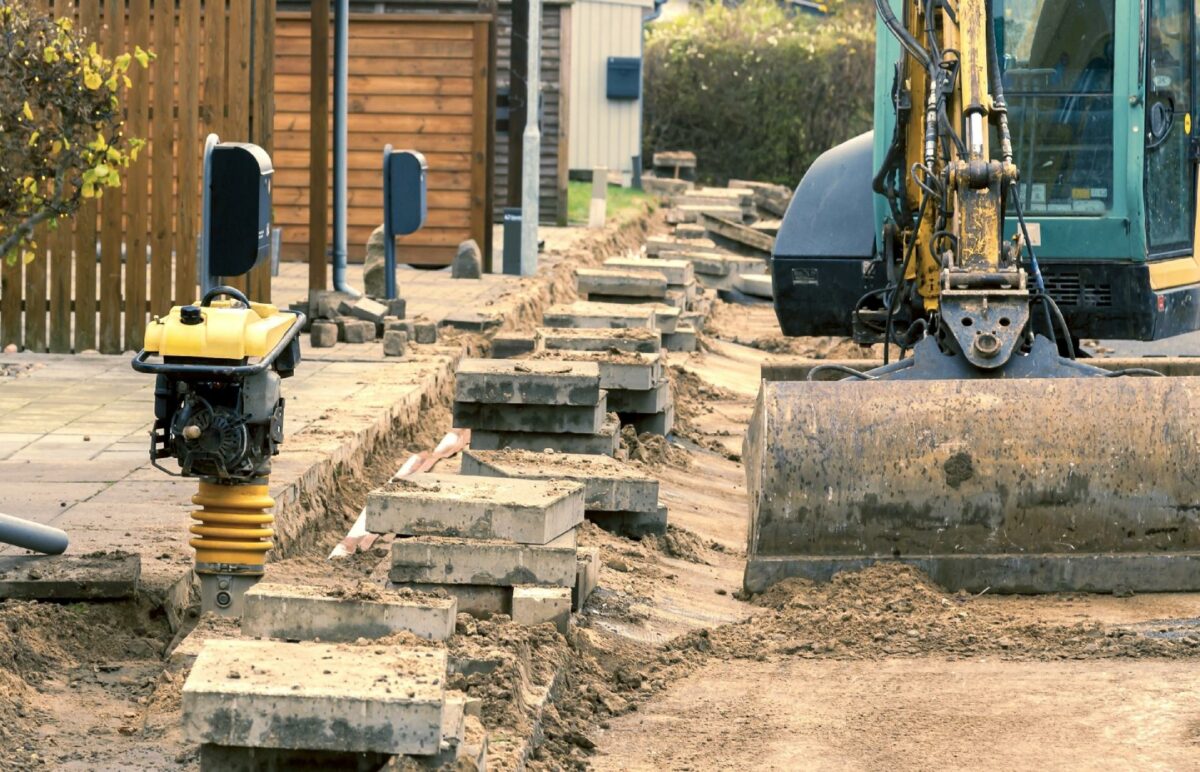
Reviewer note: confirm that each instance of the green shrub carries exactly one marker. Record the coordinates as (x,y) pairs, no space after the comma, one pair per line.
(755,93)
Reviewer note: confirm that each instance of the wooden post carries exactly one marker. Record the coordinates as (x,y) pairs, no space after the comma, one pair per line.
(137,181)
(111,209)
(318,170)
(518,97)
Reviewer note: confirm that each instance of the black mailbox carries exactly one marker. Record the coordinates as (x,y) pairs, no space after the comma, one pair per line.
(240,223)
(624,77)
(404,191)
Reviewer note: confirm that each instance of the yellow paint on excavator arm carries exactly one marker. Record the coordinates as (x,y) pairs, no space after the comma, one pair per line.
(227,332)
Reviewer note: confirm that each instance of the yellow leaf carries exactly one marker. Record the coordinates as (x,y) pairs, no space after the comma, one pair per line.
(27,112)
(27,257)
(142,56)
(57,147)
(49,55)
(93,80)
(89,190)
(33,138)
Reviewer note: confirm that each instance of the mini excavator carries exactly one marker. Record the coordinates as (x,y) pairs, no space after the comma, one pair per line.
(1030,181)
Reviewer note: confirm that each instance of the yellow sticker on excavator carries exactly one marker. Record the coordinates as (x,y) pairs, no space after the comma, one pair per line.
(1187,123)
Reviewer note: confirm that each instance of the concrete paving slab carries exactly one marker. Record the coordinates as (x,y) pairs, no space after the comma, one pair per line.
(636,340)
(614,281)
(666,318)
(525,511)
(270,694)
(554,419)
(305,613)
(604,442)
(470,561)
(755,284)
(684,339)
(493,381)
(533,605)
(479,600)
(659,246)
(656,423)
(609,485)
(68,577)
(678,273)
(586,315)
(507,345)
(618,369)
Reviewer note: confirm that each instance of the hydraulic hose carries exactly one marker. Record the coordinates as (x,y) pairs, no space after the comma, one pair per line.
(999,106)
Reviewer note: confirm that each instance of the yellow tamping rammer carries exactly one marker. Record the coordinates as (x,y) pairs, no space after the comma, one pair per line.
(218,411)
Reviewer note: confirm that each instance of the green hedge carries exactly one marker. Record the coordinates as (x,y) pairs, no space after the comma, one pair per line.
(754,93)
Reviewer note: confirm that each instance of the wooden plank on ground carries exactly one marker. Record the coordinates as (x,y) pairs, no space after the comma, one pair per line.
(162,166)
(111,213)
(188,153)
(137,180)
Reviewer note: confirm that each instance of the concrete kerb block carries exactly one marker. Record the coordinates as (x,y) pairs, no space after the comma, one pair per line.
(605,442)
(599,316)
(479,600)
(657,423)
(524,511)
(435,560)
(682,340)
(312,696)
(305,613)
(395,343)
(532,605)
(359,331)
(72,577)
(550,419)
(508,345)
(323,334)
(620,370)
(425,332)
(632,525)
(364,308)
(653,400)
(636,340)
(491,381)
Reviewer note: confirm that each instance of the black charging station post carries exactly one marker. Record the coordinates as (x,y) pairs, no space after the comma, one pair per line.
(236,232)
(404,206)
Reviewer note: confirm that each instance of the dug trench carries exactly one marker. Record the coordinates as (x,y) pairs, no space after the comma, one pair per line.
(668,665)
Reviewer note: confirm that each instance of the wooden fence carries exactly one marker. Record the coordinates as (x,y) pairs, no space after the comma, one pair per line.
(417,81)
(213,73)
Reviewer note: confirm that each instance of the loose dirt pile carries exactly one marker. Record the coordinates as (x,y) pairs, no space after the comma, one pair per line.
(895,611)
(651,450)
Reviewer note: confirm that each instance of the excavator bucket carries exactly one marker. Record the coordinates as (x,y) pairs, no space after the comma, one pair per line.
(1011,485)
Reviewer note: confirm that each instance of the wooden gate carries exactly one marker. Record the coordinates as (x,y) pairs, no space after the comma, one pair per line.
(416,81)
(85,290)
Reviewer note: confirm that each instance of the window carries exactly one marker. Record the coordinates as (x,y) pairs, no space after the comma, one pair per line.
(1057,61)
(1168,142)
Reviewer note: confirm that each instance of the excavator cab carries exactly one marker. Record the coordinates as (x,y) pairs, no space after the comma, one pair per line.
(1101,106)
(1030,182)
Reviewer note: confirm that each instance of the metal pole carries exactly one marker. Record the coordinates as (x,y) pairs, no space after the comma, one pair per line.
(29,535)
(532,150)
(389,233)
(341,66)
(206,279)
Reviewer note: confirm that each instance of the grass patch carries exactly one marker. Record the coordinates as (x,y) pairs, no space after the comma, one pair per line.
(579,201)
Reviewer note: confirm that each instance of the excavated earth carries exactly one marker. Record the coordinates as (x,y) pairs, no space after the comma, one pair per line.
(670,666)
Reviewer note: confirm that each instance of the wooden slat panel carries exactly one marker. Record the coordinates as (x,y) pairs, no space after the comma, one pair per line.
(60,255)
(410,68)
(12,287)
(162,163)
(298,196)
(35,294)
(188,152)
(296,140)
(415,29)
(379,83)
(385,47)
(111,213)
(137,181)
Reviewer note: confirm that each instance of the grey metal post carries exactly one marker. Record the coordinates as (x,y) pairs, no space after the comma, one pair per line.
(341,66)
(389,234)
(29,535)
(206,277)
(532,149)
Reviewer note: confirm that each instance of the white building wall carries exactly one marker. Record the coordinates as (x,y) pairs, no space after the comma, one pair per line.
(603,132)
